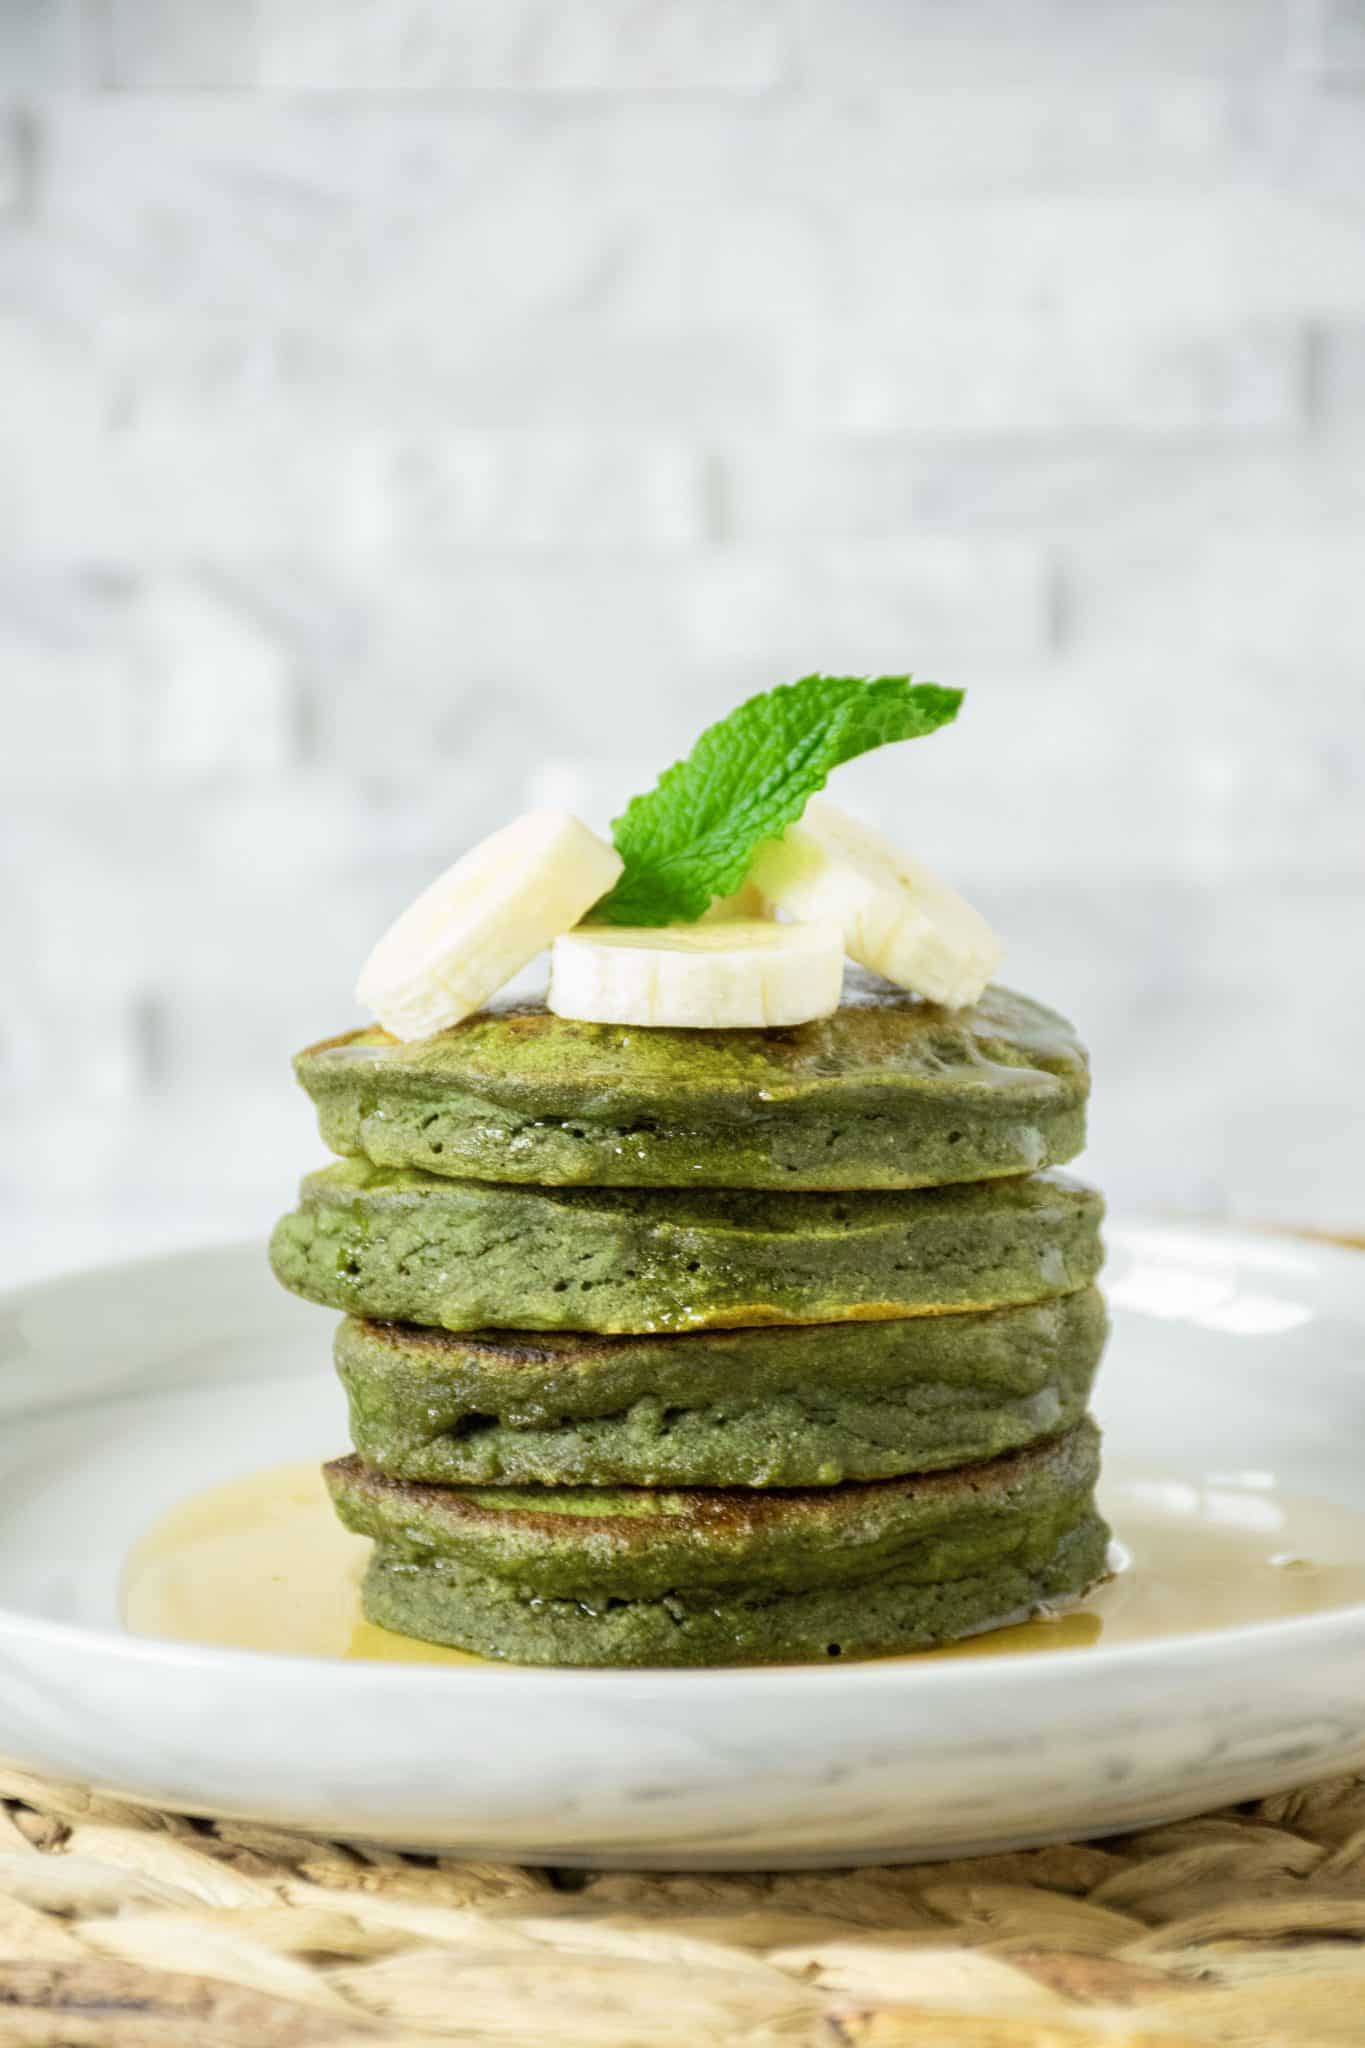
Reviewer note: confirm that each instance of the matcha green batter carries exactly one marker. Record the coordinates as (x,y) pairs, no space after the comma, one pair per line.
(663,1577)
(466,1255)
(805,1406)
(891,1092)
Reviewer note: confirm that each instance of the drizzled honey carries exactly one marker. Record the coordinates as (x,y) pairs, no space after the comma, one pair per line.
(262,1563)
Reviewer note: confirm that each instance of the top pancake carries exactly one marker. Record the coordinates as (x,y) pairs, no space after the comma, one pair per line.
(890,1092)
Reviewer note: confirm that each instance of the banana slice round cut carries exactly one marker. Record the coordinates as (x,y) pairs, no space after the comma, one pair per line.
(485,919)
(895,915)
(719,976)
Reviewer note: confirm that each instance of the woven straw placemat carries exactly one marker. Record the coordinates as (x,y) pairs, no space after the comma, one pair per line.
(132,1929)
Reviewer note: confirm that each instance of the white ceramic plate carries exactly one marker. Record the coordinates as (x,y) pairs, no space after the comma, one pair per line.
(125,1389)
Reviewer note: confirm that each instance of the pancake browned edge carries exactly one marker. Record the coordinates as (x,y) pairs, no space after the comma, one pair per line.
(677,1577)
(890,1092)
(807,1406)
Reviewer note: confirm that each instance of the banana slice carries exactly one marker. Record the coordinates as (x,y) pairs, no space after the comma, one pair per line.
(485,919)
(896,916)
(715,977)
(745,905)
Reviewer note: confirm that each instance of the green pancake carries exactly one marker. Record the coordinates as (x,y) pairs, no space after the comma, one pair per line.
(663,1577)
(807,1406)
(400,1245)
(891,1092)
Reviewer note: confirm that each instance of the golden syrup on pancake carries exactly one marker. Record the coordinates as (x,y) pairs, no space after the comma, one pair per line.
(262,1563)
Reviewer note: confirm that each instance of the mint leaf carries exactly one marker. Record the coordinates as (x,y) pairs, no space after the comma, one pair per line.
(748,777)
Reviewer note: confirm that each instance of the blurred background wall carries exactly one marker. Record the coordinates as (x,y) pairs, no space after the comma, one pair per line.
(415,409)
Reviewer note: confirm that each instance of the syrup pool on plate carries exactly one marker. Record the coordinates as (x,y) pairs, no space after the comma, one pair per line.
(262,1563)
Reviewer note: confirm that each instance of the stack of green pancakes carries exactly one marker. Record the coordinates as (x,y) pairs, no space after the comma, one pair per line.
(676,1346)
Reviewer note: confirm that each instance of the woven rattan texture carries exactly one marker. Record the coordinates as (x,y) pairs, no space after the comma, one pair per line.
(130,1929)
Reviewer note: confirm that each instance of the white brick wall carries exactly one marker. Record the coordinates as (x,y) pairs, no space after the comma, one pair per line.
(410,409)
(1330,39)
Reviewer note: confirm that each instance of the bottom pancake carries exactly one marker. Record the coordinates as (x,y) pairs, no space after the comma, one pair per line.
(658,1577)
